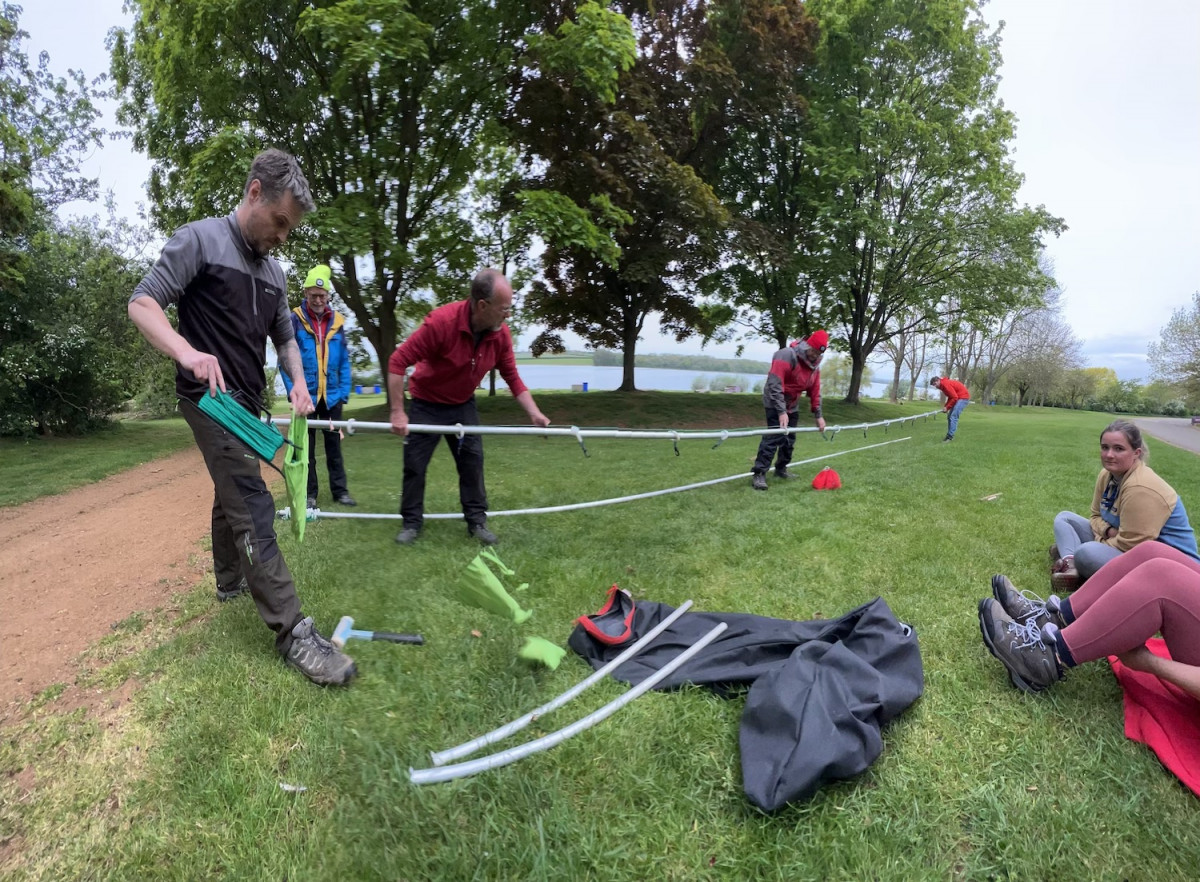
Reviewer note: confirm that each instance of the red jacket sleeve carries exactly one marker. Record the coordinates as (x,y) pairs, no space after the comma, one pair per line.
(506,364)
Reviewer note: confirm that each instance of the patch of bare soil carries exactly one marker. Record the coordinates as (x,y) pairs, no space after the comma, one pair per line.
(77,563)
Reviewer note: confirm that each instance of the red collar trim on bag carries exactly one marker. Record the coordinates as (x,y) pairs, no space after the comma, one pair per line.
(612,624)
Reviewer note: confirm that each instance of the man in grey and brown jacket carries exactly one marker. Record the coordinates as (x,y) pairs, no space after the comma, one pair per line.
(230,297)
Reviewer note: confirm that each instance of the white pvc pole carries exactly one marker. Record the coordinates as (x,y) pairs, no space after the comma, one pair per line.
(440,758)
(575,432)
(497,760)
(319,514)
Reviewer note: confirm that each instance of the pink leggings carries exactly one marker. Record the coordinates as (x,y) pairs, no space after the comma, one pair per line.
(1150,588)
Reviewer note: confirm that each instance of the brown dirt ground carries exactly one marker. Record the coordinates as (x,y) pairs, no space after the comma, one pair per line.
(77,563)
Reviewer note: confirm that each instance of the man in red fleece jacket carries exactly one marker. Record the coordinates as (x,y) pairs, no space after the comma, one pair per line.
(452,351)
(957,398)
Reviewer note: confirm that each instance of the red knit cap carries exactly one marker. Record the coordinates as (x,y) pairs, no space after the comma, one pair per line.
(818,340)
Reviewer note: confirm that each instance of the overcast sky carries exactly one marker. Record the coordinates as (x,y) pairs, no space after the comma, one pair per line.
(1107,98)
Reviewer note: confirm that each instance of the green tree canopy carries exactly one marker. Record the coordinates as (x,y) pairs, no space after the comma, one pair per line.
(1175,358)
(629,165)
(921,212)
(762,169)
(386,106)
(66,354)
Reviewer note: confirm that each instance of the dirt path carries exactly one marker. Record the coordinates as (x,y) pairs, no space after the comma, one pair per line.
(75,564)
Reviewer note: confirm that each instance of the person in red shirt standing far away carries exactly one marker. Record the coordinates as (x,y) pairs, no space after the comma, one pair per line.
(452,351)
(957,398)
(795,370)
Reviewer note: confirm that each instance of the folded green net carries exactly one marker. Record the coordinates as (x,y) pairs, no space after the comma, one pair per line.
(263,438)
(295,473)
(480,587)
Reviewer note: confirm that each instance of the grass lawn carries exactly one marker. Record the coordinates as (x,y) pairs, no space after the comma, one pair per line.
(976,781)
(45,466)
(526,358)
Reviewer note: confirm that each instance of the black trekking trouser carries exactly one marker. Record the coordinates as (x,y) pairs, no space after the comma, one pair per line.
(333,451)
(777,447)
(243,526)
(468,458)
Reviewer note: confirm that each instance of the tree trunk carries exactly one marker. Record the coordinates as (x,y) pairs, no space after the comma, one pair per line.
(629,353)
(856,375)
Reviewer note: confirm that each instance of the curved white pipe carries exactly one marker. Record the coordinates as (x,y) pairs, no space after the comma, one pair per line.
(577,433)
(504,758)
(318,514)
(441,757)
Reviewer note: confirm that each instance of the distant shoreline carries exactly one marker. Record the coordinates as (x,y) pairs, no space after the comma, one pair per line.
(671,361)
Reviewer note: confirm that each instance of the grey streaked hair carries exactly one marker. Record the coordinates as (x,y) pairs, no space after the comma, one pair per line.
(483,286)
(278,173)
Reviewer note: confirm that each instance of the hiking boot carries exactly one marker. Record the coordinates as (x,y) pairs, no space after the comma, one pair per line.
(1066,577)
(312,502)
(317,658)
(1022,606)
(784,475)
(482,533)
(238,588)
(1032,665)
(407,536)
(345,499)
(759,481)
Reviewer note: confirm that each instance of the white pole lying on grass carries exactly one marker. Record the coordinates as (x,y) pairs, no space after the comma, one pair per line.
(504,758)
(441,757)
(319,514)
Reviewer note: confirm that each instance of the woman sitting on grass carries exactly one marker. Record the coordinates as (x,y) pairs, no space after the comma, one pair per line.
(1131,505)
(1149,589)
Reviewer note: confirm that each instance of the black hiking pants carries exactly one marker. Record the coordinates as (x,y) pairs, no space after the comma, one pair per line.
(468,458)
(243,526)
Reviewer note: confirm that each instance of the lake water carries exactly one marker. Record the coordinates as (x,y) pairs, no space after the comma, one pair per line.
(607,379)
(604,379)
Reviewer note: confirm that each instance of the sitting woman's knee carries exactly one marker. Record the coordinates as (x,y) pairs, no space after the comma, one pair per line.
(1091,556)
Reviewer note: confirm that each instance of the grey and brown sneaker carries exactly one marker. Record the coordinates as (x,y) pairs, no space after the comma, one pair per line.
(1022,606)
(759,481)
(1032,665)
(784,475)
(317,658)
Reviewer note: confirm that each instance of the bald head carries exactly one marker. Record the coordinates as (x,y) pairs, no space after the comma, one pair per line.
(491,300)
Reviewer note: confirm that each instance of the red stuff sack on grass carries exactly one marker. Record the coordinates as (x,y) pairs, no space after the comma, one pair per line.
(827,479)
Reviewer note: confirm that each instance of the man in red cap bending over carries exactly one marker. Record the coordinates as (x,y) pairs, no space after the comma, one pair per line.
(794,370)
